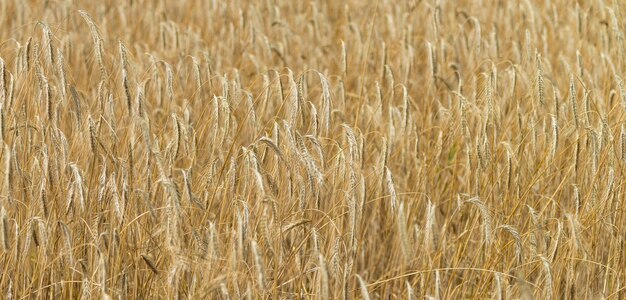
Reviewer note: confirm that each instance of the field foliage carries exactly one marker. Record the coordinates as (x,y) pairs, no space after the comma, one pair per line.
(274,149)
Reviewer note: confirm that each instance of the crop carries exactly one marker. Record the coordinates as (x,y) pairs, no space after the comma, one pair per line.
(312,149)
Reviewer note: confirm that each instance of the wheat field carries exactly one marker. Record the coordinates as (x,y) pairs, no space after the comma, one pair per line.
(270,149)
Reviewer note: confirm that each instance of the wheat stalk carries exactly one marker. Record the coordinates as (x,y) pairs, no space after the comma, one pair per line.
(97,41)
(363,285)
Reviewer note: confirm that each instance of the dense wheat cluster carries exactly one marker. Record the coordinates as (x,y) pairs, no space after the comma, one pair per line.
(312,149)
